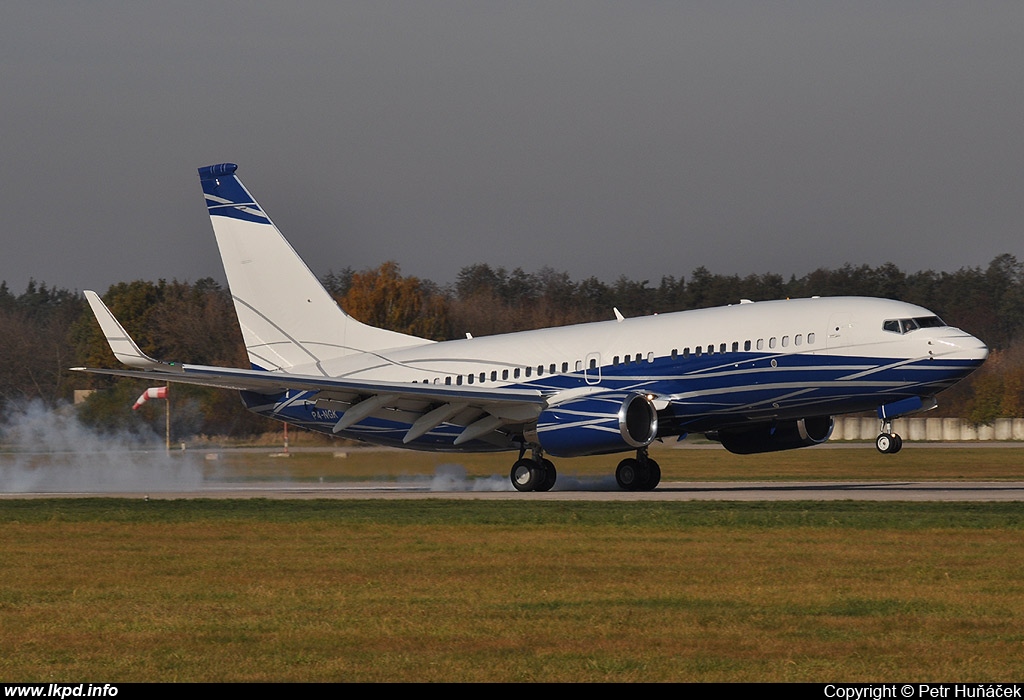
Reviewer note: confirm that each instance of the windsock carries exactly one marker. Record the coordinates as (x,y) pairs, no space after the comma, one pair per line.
(156,392)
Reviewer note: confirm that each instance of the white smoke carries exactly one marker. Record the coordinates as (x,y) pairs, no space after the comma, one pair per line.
(44,450)
(454,477)
(568,482)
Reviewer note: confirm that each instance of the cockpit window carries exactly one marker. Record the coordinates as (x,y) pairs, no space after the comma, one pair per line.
(929,322)
(906,325)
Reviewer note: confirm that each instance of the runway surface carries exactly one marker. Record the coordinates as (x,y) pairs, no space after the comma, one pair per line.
(149,474)
(583,490)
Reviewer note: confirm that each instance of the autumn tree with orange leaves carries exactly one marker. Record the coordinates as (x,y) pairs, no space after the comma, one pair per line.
(382,297)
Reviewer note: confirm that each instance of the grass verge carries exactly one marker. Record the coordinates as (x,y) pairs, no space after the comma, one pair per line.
(134,590)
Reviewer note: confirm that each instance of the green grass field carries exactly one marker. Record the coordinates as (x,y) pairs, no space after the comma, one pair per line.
(436,590)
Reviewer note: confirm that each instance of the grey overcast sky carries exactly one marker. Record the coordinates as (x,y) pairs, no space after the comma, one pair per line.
(635,138)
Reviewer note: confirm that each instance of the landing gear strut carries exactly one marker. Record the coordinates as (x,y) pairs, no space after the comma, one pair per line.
(638,474)
(887,441)
(533,474)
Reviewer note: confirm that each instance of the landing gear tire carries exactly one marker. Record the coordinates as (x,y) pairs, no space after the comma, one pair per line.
(883,442)
(889,443)
(550,475)
(653,476)
(526,475)
(533,475)
(633,474)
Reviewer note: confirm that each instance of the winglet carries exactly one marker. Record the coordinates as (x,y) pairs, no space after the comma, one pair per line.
(121,344)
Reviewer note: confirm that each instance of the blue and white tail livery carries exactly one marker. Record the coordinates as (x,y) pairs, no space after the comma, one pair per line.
(289,322)
(756,376)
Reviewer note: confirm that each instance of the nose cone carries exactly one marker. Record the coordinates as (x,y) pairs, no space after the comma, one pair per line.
(959,345)
(980,350)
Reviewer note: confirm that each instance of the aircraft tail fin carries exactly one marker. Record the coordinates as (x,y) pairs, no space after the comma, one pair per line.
(287,317)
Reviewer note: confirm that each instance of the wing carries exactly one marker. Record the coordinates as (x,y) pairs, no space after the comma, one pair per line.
(424,406)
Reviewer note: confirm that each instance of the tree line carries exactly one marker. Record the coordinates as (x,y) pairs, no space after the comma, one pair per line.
(45,330)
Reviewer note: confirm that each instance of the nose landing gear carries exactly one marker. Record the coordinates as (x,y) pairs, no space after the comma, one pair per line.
(887,441)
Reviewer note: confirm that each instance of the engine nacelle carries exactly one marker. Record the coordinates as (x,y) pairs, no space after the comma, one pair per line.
(772,437)
(614,421)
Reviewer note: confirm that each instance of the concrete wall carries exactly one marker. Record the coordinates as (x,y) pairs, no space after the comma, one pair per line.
(917,429)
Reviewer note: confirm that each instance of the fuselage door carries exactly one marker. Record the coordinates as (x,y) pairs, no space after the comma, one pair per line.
(592,368)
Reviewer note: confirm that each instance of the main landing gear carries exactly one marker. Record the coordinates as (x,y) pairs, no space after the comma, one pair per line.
(887,441)
(534,474)
(638,474)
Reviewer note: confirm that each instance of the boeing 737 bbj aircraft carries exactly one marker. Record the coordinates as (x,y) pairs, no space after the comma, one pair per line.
(757,376)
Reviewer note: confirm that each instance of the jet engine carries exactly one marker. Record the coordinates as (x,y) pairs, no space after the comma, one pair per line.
(772,437)
(597,424)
